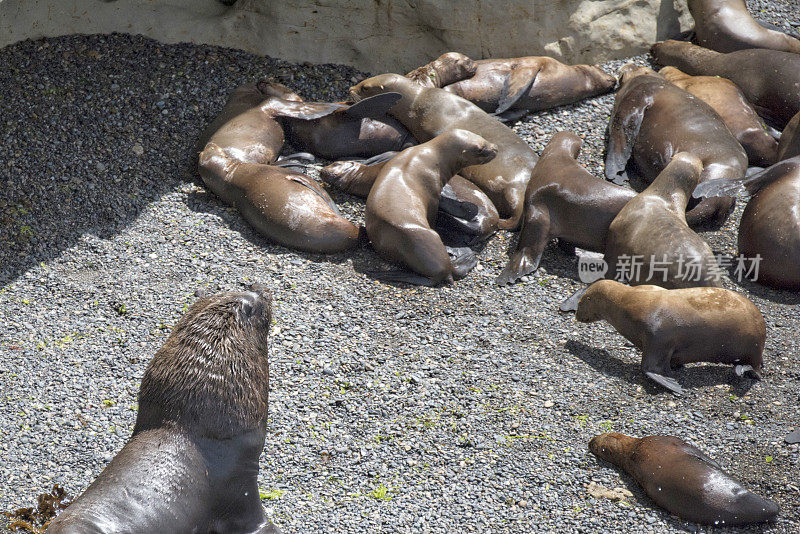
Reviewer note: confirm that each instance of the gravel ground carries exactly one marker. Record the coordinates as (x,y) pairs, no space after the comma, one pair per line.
(393,408)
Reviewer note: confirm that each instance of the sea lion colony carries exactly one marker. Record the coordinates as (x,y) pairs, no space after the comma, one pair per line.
(698,121)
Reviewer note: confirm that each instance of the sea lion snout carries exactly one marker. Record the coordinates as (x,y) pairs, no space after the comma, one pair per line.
(632,70)
(255,302)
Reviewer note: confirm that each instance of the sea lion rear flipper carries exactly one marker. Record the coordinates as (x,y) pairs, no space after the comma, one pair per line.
(793,437)
(518,83)
(623,129)
(383,157)
(314,186)
(669,383)
(570,304)
(307,156)
(776,28)
(463,260)
(451,204)
(397,275)
(719,187)
(741,370)
(373,107)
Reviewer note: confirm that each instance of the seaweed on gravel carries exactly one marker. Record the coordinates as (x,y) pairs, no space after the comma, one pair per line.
(37,519)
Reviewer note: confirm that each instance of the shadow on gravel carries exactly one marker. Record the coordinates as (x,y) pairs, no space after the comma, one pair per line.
(690,377)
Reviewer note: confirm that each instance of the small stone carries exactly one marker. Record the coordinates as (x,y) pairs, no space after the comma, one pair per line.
(548,404)
(138,149)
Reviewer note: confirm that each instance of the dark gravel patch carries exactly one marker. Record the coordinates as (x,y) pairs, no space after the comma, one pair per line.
(464,408)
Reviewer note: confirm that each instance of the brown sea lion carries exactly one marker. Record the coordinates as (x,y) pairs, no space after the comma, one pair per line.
(770,79)
(530,84)
(428,112)
(287,207)
(674,327)
(403,203)
(359,130)
(652,227)
(734,109)
(653,120)
(357,178)
(770,226)
(789,145)
(727,26)
(684,480)
(191,463)
(444,70)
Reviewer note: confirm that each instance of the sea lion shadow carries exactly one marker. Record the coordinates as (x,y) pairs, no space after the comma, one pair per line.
(206,202)
(778,296)
(694,377)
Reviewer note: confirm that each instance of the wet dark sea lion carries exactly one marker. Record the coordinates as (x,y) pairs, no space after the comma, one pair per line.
(789,145)
(653,120)
(357,178)
(531,84)
(770,79)
(677,326)
(286,206)
(652,226)
(734,109)
(428,112)
(684,480)
(191,463)
(403,204)
(727,26)
(446,69)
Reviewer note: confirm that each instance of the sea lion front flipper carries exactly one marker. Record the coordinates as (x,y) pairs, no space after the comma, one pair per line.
(397,275)
(373,107)
(511,115)
(306,156)
(718,187)
(623,129)
(570,304)
(451,204)
(741,370)
(518,83)
(462,260)
(694,451)
(669,383)
(793,437)
(314,186)
(533,238)
(303,110)
(776,28)
(383,157)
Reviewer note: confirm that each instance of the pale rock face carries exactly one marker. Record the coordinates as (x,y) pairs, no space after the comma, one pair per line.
(373,35)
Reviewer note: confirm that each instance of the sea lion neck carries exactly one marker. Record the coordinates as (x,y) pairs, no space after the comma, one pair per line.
(672,74)
(684,56)
(677,181)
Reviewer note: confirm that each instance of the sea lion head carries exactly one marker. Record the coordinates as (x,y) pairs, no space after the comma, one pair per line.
(455,66)
(612,447)
(672,74)
(567,141)
(593,300)
(630,71)
(475,150)
(383,83)
(211,376)
(272,89)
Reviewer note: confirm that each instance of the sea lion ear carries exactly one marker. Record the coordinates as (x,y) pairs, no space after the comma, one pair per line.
(518,84)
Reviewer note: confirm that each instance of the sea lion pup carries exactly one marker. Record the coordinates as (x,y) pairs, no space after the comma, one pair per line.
(403,202)
(357,178)
(673,327)
(653,120)
(652,227)
(770,226)
(727,26)
(530,84)
(768,78)
(683,479)
(789,145)
(428,112)
(191,463)
(361,130)
(448,68)
(287,207)
(734,109)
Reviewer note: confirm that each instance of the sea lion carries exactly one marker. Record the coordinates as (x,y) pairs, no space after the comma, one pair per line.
(402,205)
(652,227)
(361,130)
(770,79)
(789,145)
(444,70)
(734,109)
(727,26)
(677,326)
(191,463)
(357,178)
(286,206)
(530,84)
(428,112)
(683,479)
(653,119)
(770,226)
